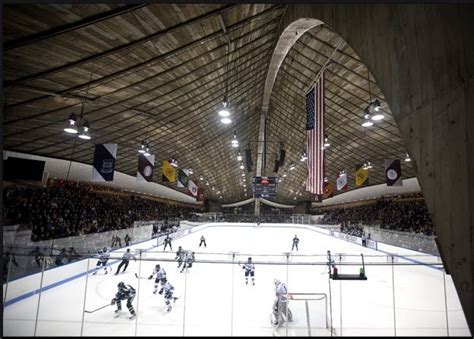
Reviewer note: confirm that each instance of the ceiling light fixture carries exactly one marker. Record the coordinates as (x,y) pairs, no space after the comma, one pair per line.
(142,147)
(85,131)
(407,158)
(71,128)
(147,151)
(235,142)
(326,141)
(292,166)
(239,156)
(303,157)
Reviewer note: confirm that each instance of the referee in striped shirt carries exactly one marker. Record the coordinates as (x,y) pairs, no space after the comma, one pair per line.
(125,259)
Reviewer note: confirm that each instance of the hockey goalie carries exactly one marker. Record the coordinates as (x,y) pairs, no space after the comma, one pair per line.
(280,305)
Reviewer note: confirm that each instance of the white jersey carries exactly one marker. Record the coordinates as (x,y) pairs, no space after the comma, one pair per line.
(160,274)
(168,290)
(189,257)
(249,267)
(104,256)
(281,291)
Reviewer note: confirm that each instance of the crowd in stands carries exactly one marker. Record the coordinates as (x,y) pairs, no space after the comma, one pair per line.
(407,215)
(69,209)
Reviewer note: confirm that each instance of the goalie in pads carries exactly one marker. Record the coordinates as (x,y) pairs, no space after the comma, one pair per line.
(280,305)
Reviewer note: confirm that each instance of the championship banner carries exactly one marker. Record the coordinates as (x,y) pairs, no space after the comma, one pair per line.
(393,172)
(104,162)
(182,178)
(362,175)
(192,188)
(342,182)
(146,165)
(169,174)
(328,190)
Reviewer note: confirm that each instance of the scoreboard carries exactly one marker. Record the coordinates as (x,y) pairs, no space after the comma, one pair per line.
(264,187)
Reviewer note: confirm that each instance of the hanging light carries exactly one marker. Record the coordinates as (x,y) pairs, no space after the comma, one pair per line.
(292,166)
(326,179)
(239,157)
(284,175)
(241,166)
(142,147)
(190,171)
(72,128)
(367,122)
(85,131)
(326,141)
(243,174)
(303,157)
(207,183)
(226,121)
(174,163)
(147,151)
(235,142)
(201,178)
(369,164)
(407,158)
(224,112)
(378,115)
(341,172)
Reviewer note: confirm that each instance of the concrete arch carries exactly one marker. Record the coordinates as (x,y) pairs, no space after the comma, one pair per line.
(422,57)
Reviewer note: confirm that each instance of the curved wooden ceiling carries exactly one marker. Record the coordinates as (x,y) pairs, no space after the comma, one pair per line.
(159,72)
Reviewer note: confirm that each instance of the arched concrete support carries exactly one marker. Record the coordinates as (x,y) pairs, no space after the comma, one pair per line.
(422,57)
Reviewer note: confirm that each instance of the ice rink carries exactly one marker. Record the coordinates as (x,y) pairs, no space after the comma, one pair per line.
(215,301)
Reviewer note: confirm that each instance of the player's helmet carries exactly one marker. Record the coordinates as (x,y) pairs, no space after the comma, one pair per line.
(157,266)
(121,285)
(250,259)
(163,281)
(105,249)
(276,282)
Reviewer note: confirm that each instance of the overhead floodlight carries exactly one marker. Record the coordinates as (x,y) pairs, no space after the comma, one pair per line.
(190,170)
(303,157)
(147,151)
(241,167)
(201,178)
(72,128)
(243,174)
(239,157)
(224,112)
(142,147)
(367,122)
(292,166)
(284,175)
(378,115)
(85,131)
(407,158)
(207,183)
(369,164)
(326,141)
(226,121)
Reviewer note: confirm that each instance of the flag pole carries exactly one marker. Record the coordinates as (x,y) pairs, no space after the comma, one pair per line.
(326,64)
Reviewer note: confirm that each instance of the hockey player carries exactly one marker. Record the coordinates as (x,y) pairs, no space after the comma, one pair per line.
(295,243)
(124,293)
(203,240)
(168,290)
(104,256)
(160,275)
(188,261)
(167,242)
(180,256)
(125,259)
(280,305)
(330,263)
(249,268)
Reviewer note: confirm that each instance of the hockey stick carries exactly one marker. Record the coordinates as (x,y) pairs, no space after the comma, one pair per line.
(136,275)
(97,309)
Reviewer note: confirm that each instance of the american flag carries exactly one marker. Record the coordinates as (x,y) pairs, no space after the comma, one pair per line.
(315,137)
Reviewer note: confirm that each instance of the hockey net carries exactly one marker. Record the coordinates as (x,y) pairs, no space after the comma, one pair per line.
(310,314)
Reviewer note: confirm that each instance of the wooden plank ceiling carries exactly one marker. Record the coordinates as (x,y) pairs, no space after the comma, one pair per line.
(159,73)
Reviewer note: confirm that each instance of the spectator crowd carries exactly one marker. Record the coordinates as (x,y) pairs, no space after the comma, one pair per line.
(406,215)
(69,209)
